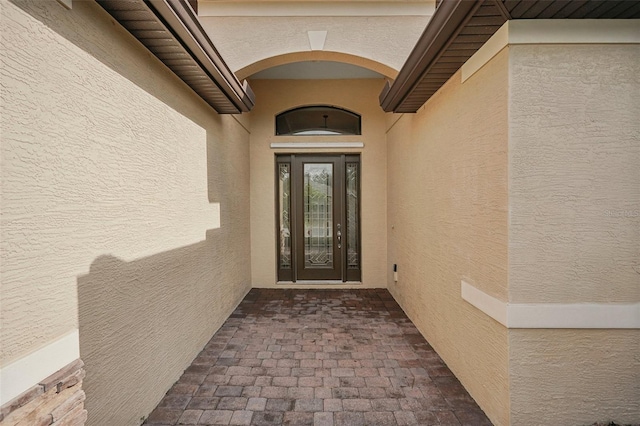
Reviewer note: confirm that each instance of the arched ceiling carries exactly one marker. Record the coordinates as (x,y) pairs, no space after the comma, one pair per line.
(316,65)
(315,70)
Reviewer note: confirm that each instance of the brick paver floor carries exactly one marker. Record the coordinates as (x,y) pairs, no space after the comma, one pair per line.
(318,357)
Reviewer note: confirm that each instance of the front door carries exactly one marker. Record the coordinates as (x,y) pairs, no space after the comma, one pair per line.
(318,217)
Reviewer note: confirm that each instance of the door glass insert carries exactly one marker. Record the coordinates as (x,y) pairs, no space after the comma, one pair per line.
(318,215)
(284,194)
(353,251)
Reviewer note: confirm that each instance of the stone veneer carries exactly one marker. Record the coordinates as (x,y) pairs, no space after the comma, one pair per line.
(57,400)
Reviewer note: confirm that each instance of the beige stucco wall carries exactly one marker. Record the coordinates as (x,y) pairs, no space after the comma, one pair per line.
(448,218)
(275,96)
(574,235)
(574,151)
(384,39)
(574,377)
(124,206)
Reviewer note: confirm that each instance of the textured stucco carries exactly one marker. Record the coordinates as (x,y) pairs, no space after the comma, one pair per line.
(355,95)
(387,40)
(447,191)
(124,206)
(574,184)
(574,235)
(574,377)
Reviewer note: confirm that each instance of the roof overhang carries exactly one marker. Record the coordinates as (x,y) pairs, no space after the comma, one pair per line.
(171,31)
(459,28)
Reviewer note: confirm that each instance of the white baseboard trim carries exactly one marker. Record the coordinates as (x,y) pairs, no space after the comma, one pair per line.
(28,371)
(554,315)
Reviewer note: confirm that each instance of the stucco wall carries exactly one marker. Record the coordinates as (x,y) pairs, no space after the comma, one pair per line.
(574,151)
(574,236)
(384,39)
(360,96)
(448,218)
(574,377)
(124,206)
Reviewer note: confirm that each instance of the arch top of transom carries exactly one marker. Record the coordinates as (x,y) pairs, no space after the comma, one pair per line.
(307,56)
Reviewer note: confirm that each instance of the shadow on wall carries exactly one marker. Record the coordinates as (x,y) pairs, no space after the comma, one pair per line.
(142,323)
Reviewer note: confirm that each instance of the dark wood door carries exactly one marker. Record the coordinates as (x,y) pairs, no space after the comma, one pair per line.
(317,218)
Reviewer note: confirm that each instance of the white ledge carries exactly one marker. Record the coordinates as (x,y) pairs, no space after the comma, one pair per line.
(28,371)
(316,145)
(554,315)
(495,308)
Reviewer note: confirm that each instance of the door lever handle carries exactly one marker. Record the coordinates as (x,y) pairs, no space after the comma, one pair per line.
(339,236)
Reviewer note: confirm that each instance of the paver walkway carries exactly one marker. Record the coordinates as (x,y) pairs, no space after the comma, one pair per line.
(318,357)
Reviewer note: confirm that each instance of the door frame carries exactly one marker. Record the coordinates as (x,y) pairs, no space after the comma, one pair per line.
(296,188)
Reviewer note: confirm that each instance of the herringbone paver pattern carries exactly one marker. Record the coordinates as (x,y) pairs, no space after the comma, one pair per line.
(318,357)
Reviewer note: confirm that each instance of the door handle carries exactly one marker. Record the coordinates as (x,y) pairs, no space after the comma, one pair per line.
(339,236)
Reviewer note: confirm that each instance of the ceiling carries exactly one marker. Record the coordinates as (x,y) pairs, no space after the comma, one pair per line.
(315,70)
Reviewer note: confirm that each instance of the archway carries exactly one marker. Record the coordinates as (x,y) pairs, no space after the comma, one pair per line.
(290,58)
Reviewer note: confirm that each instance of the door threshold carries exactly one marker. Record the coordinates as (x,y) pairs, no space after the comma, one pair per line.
(319,282)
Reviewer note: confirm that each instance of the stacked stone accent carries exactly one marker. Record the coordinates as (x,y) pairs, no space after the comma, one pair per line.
(57,400)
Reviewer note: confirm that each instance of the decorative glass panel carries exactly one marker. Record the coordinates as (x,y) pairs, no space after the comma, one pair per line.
(284,186)
(318,120)
(318,215)
(352,216)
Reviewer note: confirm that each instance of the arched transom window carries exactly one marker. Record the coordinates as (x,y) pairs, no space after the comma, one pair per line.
(318,120)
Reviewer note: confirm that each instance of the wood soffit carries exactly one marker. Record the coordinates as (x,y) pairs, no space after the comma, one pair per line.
(459,28)
(171,31)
